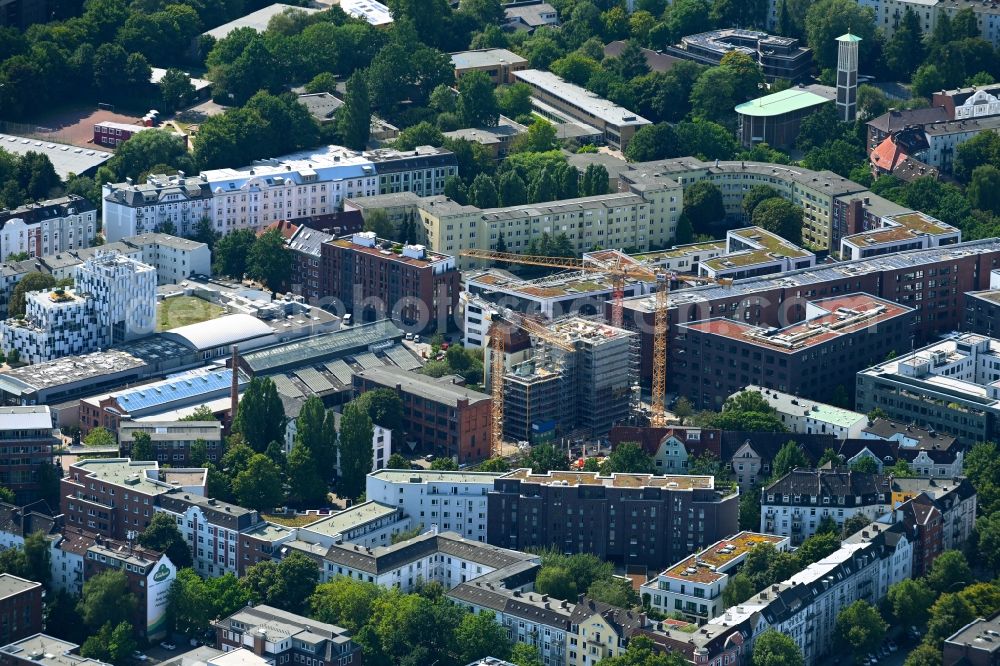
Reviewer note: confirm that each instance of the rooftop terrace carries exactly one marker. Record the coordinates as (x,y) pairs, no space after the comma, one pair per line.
(704,567)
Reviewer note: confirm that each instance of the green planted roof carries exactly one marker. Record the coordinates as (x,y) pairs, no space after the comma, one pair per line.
(786,101)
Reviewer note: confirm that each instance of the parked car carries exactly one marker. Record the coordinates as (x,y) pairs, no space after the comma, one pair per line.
(140,656)
(168,646)
(892,646)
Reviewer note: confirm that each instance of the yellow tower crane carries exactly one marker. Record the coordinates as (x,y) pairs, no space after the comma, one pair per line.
(620,267)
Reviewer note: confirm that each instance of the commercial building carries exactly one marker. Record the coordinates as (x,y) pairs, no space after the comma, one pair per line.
(583,512)
(951,386)
(752,251)
(282,637)
(794,505)
(114,497)
(714,358)
(693,586)
(440,415)
(375,278)
(113,300)
(448,501)
(975,644)
(807,416)
(48,227)
(558,391)
(20,608)
(44,650)
(27,436)
(775,119)
(778,57)
(498,64)
(559,100)
(173,440)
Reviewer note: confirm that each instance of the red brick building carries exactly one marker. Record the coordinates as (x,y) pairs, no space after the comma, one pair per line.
(26,440)
(375,278)
(20,608)
(444,418)
(111,134)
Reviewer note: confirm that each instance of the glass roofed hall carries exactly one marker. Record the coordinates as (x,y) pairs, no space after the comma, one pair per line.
(322,347)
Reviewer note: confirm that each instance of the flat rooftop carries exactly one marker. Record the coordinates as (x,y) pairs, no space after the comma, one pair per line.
(486,58)
(685,482)
(981,634)
(580,98)
(791,404)
(770,242)
(143,476)
(11,585)
(562,285)
(578,329)
(704,567)
(679,251)
(786,101)
(372,11)
(257,20)
(433,476)
(65,159)
(412,255)
(348,519)
(440,390)
(48,651)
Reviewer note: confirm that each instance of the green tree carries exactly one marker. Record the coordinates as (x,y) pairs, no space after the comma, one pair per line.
(949,571)
(557,582)
(324,82)
(984,188)
(307,485)
(738,590)
(512,192)
(193,602)
(614,591)
(356,434)
(201,413)
(287,584)
(480,635)
(231,252)
(106,600)
(316,432)
(816,547)
(829,456)
(259,485)
(749,513)
(742,13)
(260,417)
(483,192)
(905,50)
(948,614)
(788,458)
(377,220)
(525,655)
(163,536)
(628,457)
(354,118)
(861,627)
(910,601)
(927,80)
(828,19)
(99,436)
(982,467)
(924,655)
(397,461)
(149,148)
(545,458)
(596,181)
(540,137)
(444,464)
(781,217)
(477,102)
(988,531)
(746,411)
(755,196)
(653,142)
(703,205)
(827,525)
(982,149)
(31,282)
(865,465)
(344,602)
(269,260)
(37,558)
(514,100)
(142,447)
(773,648)
(176,90)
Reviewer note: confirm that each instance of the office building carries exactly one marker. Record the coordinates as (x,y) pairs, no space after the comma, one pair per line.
(950,386)
(441,415)
(375,278)
(794,505)
(448,501)
(20,608)
(48,227)
(847,76)
(975,644)
(498,64)
(282,637)
(816,358)
(674,515)
(807,416)
(113,300)
(775,119)
(27,437)
(778,57)
(174,440)
(693,586)
(563,101)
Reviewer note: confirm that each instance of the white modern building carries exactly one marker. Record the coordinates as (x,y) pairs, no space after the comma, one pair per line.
(48,227)
(174,258)
(113,300)
(694,585)
(445,500)
(366,525)
(813,418)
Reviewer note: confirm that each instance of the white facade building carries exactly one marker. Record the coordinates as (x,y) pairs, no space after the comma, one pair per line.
(48,227)
(811,417)
(450,501)
(174,258)
(114,299)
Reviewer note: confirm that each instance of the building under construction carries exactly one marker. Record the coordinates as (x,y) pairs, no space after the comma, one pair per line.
(587,390)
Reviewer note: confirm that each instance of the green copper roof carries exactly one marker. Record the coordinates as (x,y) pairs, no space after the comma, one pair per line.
(848,38)
(786,101)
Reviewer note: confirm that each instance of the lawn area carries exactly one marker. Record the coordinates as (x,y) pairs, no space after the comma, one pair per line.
(291,521)
(184,310)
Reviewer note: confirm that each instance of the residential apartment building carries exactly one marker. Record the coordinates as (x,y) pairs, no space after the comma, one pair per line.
(374,278)
(174,440)
(950,386)
(281,637)
(528,15)
(557,99)
(368,525)
(43,650)
(175,259)
(753,453)
(944,138)
(694,586)
(752,251)
(307,183)
(928,453)
(778,57)
(715,358)
(955,499)
(47,227)
(441,415)
(115,497)
(971,102)
(381,444)
(20,608)
(794,505)
(498,64)
(806,416)
(448,501)
(27,438)
(306,245)
(633,519)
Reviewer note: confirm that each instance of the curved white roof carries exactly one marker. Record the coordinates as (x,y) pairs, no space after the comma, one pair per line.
(226,330)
